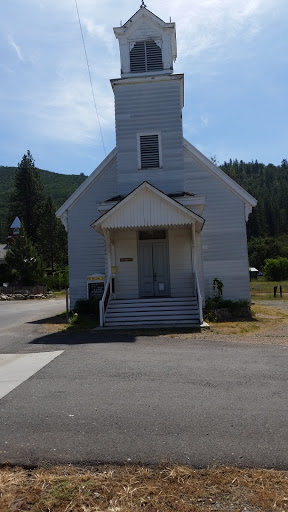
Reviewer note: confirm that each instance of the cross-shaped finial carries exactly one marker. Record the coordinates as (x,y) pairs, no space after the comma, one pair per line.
(142,5)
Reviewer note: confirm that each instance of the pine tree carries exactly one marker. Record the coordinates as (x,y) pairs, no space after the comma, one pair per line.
(26,201)
(24,263)
(53,247)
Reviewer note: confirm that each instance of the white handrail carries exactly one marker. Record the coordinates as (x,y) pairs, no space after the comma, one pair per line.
(102,306)
(200,305)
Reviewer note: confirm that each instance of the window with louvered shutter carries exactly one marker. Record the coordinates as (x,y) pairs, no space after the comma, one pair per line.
(145,56)
(149,151)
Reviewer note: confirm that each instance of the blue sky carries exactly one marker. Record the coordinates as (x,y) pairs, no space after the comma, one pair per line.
(234,54)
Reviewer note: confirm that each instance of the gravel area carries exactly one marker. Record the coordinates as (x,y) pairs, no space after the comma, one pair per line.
(278,304)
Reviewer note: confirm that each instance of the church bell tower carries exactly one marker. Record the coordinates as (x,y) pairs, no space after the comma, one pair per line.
(148,105)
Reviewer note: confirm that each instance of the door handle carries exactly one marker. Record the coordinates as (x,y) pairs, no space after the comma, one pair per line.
(155,276)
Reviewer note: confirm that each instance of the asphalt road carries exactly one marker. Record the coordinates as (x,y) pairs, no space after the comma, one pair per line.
(17,312)
(119,398)
(19,321)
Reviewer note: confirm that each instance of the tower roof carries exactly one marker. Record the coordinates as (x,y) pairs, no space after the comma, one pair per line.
(16,223)
(144,14)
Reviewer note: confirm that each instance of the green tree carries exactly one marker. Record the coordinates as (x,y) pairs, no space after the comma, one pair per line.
(260,249)
(24,264)
(27,198)
(276,269)
(53,246)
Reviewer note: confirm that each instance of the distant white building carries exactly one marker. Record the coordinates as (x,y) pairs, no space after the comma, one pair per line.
(157,221)
(14,231)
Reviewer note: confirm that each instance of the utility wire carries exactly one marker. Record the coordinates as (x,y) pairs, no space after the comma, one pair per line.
(90,77)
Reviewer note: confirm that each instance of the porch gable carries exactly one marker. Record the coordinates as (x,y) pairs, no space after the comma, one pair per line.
(147,207)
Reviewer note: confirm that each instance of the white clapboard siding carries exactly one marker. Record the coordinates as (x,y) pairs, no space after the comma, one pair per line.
(180,255)
(126,282)
(224,242)
(86,247)
(143,109)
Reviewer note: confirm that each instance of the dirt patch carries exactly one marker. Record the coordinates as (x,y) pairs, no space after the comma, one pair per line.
(136,488)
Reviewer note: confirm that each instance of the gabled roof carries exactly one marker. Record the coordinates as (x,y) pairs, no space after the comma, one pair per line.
(142,12)
(220,175)
(249,200)
(86,184)
(146,207)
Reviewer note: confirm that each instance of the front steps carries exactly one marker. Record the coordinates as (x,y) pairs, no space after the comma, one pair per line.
(155,312)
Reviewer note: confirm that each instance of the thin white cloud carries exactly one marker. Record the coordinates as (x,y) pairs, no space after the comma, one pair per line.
(214,23)
(99,32)
(17,49)
(69,114)
(204,121)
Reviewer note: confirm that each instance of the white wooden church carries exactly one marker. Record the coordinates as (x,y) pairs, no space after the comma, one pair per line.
(156,222)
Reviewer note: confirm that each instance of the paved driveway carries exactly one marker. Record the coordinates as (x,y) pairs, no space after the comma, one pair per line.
(118,398)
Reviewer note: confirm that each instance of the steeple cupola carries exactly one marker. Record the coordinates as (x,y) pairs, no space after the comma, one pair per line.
(147,45)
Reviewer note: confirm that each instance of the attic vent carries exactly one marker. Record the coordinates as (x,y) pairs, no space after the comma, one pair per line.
(149,151)
(145,56)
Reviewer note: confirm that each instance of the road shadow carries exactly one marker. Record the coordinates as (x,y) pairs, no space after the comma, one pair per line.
(78,336)
(82,337)
(56,319)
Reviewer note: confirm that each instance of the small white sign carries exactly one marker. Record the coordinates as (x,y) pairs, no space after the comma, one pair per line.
(161,287)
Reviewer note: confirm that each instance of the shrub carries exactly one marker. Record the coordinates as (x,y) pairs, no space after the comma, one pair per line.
(217,309)
(276,269)
(87,307)
(58,281)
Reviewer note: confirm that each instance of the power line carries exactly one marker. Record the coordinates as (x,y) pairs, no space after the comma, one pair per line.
(90,77)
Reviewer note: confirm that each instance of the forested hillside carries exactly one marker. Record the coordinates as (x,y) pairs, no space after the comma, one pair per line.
(59,186)
(269,185)
(267,228)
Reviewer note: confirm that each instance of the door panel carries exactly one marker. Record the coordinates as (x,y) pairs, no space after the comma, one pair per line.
(153,269)
(146,270)
(160,269)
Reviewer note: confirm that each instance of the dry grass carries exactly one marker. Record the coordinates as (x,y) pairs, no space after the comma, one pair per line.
(136,488)
(53,324)
(265,318)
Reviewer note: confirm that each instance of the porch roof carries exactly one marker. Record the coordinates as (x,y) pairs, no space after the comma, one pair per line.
(147,207)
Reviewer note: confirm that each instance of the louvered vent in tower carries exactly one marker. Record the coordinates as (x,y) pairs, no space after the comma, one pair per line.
(149,150)
(145,56)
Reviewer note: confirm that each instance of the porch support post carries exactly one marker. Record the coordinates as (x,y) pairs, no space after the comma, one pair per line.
(108,251)
(193,248)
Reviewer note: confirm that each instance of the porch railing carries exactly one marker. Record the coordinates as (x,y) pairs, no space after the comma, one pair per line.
(103,304)
(199,297)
